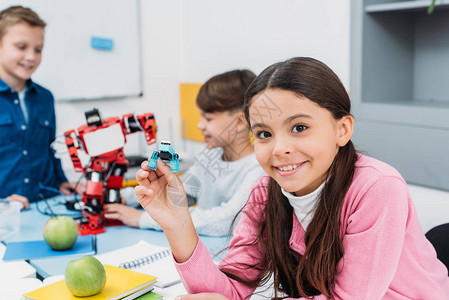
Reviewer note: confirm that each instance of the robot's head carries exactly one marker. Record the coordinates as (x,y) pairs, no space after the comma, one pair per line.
(93,117)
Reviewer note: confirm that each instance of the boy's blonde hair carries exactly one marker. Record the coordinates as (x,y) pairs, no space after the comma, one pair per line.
(18,14)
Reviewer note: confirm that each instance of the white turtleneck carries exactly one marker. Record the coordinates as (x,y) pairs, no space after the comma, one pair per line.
(304,206)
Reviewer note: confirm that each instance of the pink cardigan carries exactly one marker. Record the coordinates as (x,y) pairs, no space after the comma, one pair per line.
(386,255)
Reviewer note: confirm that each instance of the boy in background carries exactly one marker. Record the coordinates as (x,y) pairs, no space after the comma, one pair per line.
(27,115)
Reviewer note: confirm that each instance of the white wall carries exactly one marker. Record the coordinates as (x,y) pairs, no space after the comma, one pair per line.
(160,68)
(221,35)
(189,41)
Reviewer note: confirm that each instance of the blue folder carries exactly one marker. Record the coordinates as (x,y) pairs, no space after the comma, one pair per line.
(84,245)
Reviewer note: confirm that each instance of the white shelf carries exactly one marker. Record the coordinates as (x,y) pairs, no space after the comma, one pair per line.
(410,115)
(404,6)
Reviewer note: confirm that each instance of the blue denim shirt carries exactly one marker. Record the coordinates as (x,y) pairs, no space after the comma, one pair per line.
(26,159)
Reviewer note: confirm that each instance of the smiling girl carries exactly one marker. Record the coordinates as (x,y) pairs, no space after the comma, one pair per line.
(325,223)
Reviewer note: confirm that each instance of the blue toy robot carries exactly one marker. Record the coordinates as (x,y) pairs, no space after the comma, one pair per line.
(168,156)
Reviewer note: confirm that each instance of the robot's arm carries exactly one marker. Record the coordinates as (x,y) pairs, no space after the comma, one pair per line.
(152,162)
(174,163)
(70,137)
(144,122)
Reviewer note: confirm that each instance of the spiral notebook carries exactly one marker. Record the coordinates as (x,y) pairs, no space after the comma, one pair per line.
(145,258)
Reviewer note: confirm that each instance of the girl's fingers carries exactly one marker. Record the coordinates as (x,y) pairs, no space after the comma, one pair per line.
(109,208)
(142,191)
(144,195)
(115,216)
(144,165)
(152,176)
(163,170)
(146,173)
(142,178)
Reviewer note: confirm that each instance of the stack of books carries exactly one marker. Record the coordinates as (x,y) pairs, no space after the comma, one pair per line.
(120,284)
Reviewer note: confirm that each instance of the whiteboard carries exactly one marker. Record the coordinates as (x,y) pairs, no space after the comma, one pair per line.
(74,70)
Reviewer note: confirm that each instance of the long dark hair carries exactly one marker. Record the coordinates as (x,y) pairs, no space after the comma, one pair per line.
(314,272)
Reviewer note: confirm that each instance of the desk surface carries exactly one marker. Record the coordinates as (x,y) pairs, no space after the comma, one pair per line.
(32,224)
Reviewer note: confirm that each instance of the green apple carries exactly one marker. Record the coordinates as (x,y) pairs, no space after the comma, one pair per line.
(60,233)
(85,276)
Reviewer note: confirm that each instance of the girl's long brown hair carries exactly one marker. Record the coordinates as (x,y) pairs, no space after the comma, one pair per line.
(314,272)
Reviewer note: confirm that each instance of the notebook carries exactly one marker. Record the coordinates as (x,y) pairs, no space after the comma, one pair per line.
(145,258)
(120,284)
(84,245)
(150,296)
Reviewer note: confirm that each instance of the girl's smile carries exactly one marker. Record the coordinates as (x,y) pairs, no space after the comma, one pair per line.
(207,138)
(288,169)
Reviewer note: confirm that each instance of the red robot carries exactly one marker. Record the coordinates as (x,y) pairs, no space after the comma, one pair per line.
(103,140)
